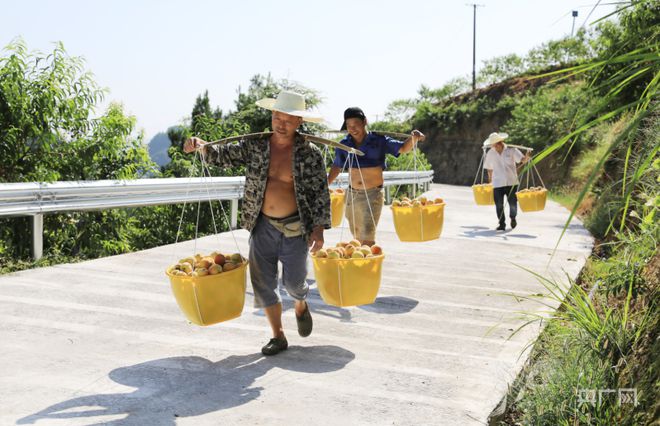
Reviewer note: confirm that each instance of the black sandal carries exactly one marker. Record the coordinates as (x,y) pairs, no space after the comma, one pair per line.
(305,323)
(275,346)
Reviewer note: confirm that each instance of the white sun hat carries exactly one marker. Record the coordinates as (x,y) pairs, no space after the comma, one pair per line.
(291,103)
(494,138)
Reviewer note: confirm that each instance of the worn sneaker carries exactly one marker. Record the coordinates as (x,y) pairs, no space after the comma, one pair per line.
(502,227)
(513,222)
(275,346)
(305,323)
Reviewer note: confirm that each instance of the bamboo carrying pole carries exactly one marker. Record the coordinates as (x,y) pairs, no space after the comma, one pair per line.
(312,138)
(378,132)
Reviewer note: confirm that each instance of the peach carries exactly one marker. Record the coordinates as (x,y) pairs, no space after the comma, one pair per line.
(405,199)
(321,253)
(185,267)
(396,203)
(201,272)
(376,249)
(333,255)
(236,258)
(229,266)
(204,263)
(355,243)
(416,203)
(215,269)
(341,244)
(438,201)
(365,251)
(358,255)
(349,250)
(199,256)
(339,191)
(423,200)
(219,259)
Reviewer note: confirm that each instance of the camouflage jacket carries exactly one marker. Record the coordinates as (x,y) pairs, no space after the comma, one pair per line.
(309,179)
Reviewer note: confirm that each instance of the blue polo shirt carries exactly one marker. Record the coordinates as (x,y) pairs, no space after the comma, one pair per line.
(374,147)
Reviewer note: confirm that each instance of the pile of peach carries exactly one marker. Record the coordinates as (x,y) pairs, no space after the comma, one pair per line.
(350,250)
(337,191)
(199,265)
(532,189)
(417,202)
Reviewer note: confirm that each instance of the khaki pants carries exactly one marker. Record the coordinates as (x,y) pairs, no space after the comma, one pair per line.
(360,206)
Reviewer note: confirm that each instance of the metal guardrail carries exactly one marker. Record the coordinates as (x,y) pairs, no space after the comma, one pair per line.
(36,199)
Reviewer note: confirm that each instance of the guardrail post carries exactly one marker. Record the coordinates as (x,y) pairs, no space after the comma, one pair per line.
(234,214)
(37,236)
(388,195)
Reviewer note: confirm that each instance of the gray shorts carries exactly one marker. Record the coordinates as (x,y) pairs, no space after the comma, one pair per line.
(268,246)
(360,205)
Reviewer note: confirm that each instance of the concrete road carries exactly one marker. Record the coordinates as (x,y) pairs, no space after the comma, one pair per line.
(103,342)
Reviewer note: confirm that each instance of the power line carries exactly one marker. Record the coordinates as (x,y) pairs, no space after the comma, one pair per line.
(589,15)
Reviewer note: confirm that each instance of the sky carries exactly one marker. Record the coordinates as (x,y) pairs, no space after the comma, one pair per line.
(156,57)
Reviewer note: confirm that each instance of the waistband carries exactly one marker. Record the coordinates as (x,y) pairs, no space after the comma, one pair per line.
(368,189)
(283,220)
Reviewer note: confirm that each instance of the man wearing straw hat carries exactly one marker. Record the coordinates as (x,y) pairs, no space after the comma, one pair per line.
(501,163)
(364,199)
(286,207)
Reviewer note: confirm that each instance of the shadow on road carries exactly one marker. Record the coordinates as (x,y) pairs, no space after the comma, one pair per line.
(391,305)
(190,386)
(316,306)
(483,231)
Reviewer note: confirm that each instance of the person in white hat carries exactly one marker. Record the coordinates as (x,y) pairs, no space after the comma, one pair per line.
(501,163)
(286,207)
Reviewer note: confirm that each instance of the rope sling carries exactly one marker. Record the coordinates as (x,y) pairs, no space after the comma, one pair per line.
(209,298)
(349,281)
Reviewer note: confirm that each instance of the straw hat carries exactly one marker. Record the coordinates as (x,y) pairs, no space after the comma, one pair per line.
(290,103)
(494,138)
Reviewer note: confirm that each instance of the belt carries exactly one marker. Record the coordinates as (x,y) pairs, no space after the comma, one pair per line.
(363,189)
(284,220)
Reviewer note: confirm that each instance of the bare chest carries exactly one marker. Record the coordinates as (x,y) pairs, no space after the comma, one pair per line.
(279,168)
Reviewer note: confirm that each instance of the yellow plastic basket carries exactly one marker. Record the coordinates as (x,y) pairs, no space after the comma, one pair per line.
(483,194)
(348,282)
(532,201)
(418,223)
(212,298)
(337,204)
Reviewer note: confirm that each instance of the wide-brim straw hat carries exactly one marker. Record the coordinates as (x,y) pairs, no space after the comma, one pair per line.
(291,103)
(494,138)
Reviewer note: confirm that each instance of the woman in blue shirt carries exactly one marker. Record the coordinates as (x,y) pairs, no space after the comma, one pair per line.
(365,194)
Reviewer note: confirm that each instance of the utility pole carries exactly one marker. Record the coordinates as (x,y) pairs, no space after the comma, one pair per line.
(474,43)
(575,14)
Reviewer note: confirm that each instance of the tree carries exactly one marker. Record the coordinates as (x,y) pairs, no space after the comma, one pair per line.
(47,129)
(202,108)
(48,133)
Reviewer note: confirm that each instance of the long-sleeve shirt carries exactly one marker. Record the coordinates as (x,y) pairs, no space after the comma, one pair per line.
(309,179)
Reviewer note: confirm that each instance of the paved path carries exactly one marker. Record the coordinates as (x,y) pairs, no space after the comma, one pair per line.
(103,342)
